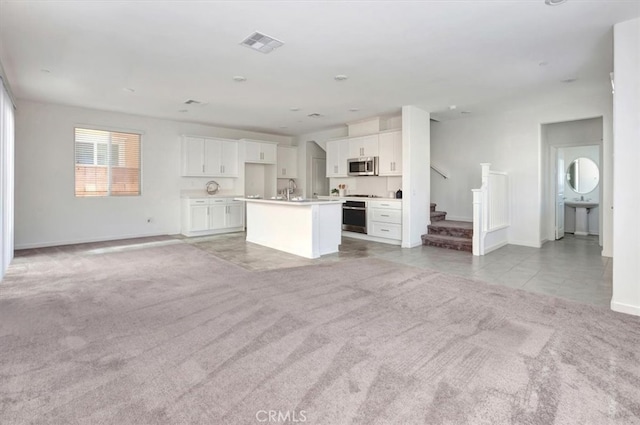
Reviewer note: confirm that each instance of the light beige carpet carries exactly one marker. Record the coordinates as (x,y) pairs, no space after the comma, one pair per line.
(170,334)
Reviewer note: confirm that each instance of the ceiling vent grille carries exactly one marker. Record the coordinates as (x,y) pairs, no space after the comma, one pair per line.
(261,42)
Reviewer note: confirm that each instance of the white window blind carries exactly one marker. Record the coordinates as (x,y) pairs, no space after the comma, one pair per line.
(107,163)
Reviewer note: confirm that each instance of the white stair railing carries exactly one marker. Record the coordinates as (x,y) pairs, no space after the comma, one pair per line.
(491,207)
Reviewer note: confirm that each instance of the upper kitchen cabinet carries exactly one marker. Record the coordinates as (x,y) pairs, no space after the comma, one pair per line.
(363,146)
(337,155)
(390,158)
(287,162)
(206,157)
(260,152)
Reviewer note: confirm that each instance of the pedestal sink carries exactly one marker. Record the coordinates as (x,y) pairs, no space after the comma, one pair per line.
(582,209)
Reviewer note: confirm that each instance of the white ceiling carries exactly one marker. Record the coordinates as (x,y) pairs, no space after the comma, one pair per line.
(479,55)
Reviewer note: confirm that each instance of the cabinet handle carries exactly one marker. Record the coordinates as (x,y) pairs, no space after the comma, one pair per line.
(384,230)
(385,205)
(203,168)
(224,170)
(383,215)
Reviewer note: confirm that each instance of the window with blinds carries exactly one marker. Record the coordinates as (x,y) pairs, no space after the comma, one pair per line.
(107,163)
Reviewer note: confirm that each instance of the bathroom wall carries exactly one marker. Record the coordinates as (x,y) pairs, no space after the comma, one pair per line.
(570,154)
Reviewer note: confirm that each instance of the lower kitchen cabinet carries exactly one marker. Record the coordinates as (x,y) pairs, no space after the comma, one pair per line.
(207,216)
(385,219)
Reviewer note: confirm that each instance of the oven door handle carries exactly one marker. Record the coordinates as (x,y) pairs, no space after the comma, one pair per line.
(354,208)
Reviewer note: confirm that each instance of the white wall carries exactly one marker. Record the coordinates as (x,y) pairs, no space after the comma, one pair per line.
(416,187)
(6,177)
(511,142)
(48,213)
(626,267)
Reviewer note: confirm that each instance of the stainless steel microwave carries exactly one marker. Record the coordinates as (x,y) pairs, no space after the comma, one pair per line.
(367,166)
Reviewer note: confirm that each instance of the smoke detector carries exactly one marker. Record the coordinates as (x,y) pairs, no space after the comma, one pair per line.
(261,42)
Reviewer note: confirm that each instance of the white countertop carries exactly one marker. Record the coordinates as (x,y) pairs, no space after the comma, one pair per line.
(302,202)
(205,195)
(358,198)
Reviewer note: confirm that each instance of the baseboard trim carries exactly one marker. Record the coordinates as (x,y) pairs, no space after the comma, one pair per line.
(529,244)
(88,240)
(625,308)
(494,247)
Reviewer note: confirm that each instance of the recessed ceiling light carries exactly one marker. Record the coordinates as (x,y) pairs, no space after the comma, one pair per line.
(452,107)
(183,110)
(314,115)
(294,109)
(569,80)
(239,78)
(340,77)
(353,109)
(554,2)
(261,42)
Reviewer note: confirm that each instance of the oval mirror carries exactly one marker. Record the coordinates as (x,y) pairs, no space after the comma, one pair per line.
(583,175)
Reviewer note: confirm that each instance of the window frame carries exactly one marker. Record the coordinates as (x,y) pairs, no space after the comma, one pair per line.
(121,160)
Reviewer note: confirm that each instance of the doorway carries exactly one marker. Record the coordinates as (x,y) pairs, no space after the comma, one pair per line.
(565,143)
(319,181)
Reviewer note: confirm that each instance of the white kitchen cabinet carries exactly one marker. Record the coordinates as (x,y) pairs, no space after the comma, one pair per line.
(287,162)
(363,146)
(205,216)
(385,219)
(235,214)
(199,216)
(260,152)
(337,155)
(390,154)
(208,157)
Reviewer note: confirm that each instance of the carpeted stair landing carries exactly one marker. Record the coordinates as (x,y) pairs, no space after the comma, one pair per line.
(450,234)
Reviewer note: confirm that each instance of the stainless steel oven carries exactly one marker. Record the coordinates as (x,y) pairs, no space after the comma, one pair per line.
(354,216)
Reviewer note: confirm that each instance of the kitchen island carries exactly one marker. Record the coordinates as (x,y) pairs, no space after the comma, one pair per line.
(308,228)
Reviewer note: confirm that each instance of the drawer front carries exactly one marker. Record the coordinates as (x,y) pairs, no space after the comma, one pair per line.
(385,230)
(395,205)
(386,215)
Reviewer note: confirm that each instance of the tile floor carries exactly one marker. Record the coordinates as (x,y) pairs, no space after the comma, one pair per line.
(570,268)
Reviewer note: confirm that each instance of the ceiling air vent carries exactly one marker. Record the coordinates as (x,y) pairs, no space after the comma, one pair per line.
(261,42)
